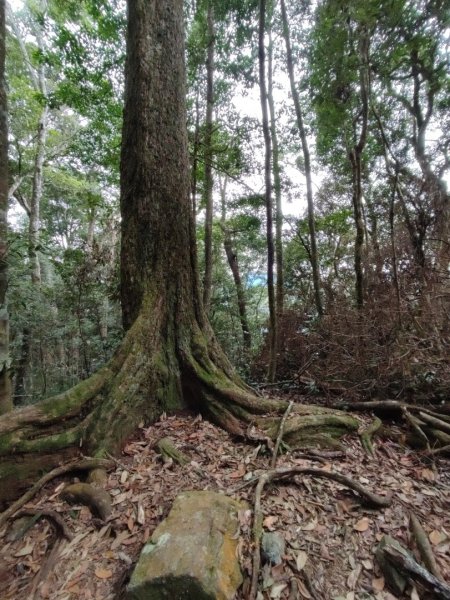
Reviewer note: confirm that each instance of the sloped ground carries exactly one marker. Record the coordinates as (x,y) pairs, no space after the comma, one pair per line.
(330,537)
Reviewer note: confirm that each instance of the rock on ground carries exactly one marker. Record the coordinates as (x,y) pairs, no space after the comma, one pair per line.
(191,554)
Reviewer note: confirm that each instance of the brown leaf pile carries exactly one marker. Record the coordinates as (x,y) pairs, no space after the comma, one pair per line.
(330,538)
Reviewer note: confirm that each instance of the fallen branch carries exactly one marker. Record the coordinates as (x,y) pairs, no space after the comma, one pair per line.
(440,450)
(257,533)
(273,463)
(415,424)
(407,565)
(55,518)
(85,464)
(424,546)
(435,422)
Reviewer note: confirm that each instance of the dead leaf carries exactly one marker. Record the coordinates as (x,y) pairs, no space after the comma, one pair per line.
(26,550)
(140,515)
(103,573)
(301,560)
(124,477)
(378,584)
(427,475)
(303,589)
(436,537)
(269,522)
(277,589)
(362,525)
(354,576)
(310,526)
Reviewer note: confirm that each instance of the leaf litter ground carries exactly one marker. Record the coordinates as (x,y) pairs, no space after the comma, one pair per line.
(330,537)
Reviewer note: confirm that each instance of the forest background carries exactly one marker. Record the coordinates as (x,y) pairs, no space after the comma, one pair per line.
(322,213)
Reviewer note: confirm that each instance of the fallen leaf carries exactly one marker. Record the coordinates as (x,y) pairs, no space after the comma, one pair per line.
(303,590)
(353,577)
(310,526)
(301,559)
(28,549)
(428,475)
(362,525)
(378,584)
(103,573)
(436,537)
(141,515)
(269,522)
(276,589)
(124,477)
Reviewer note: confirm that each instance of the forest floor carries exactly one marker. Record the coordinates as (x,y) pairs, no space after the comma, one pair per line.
(330,537)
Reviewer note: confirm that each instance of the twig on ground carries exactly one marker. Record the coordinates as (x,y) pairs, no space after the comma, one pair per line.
(51,515)
(257,533)
(424,546)
(85,464)
(280,435)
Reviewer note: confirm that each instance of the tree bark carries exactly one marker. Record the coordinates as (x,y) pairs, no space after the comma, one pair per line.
(208,156)
(169,357)
(279,294)
(355,157)
(234,266)
(307,162)
(5,381)
(268,195)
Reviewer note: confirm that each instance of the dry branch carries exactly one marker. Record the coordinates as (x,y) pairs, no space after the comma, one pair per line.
(407,565)
(85,464)
(424,546)
(280,435)
(51,515)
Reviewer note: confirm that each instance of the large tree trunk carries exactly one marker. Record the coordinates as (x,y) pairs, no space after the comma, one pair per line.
(169,357)
(5,382)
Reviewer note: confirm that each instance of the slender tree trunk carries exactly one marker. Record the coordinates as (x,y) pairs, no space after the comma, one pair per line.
(208,156)
(5,381)
(234,266)
(35,201)
(355,156)
(279,299)
(268,196)
(307,163)
(393,249)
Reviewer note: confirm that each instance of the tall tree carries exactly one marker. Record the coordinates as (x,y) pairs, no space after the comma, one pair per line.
(279,296)
(169,357)
(5,382)
(306,159)
(268,193)
(208,156)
